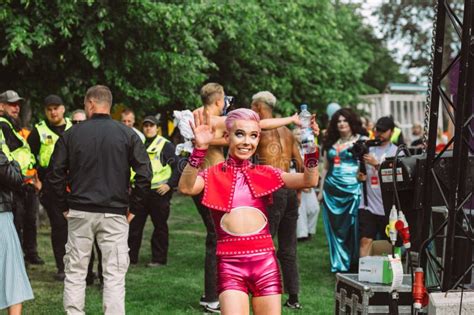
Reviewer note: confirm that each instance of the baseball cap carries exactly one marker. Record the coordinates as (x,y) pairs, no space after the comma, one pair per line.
(384,124)
(150,119)
(53,99)
(10,96)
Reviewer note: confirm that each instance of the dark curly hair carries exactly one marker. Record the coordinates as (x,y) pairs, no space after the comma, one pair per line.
(352,118)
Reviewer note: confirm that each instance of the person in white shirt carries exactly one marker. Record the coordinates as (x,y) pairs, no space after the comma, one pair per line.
(372,218)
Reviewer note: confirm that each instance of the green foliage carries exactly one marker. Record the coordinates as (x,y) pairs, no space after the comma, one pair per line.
(156,55)
(412,22)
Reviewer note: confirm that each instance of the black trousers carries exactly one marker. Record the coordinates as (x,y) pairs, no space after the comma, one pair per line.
(25,212)
(210,264)
(58,235)
(158,207)
(283,215)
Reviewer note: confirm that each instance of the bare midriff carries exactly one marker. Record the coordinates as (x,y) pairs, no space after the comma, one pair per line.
(243,221)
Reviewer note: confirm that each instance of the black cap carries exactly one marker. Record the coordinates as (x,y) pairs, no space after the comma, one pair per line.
(384,124)
(150,119)
(10,96)
(53,100)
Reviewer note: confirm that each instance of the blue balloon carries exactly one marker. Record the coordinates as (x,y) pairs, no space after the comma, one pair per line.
(332,108)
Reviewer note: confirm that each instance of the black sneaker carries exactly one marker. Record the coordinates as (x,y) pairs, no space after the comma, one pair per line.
(202,301)
(213,307)
(293,306)
(34,260)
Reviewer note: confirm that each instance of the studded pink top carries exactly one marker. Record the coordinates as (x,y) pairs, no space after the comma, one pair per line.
(231,244)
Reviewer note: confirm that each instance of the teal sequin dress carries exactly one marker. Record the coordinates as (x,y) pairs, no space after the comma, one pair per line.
(342,193)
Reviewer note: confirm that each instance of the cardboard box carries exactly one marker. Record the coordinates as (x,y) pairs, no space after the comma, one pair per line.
(376,267)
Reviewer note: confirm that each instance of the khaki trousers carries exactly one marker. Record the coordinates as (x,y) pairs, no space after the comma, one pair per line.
(111,232)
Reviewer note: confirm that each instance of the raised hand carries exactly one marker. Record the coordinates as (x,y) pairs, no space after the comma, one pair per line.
(296,119)
(314,125)
(202,129)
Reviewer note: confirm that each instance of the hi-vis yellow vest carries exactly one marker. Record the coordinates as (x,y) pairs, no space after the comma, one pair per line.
(161,173)
(23,154)
(3,146)
(48,139)
(396,134)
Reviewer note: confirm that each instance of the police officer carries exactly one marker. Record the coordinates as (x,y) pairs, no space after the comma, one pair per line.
(42,140)
(166,175)
(25,211)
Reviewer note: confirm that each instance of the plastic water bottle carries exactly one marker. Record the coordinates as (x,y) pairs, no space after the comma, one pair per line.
(307,136)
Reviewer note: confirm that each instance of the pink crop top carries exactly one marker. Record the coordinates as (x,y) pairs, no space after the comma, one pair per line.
(232,244)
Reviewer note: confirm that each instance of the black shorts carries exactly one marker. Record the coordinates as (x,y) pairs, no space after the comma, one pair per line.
(372,225)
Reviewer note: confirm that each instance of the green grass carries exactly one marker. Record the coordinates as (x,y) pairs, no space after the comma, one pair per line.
(176,288)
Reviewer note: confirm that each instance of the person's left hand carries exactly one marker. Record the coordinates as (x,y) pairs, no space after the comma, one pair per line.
(314,125)
(163,189)
(130,216)
(296,119)
(370,159)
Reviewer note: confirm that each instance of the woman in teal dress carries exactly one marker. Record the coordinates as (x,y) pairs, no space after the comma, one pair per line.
(341,190)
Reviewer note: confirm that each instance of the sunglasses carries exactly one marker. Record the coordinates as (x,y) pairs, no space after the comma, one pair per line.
(76,121)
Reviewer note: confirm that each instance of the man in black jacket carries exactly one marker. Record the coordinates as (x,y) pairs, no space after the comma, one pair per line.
(94,159)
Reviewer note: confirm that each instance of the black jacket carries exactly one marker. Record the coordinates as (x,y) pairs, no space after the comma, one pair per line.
(94,159)
(10,179)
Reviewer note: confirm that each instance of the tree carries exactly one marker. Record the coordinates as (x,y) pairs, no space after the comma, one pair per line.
(413,22)
(156,55)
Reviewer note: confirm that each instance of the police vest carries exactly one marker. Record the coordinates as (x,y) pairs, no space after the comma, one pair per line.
(48,139)
(23,154)
(3,146)
(396,134)
(161,173)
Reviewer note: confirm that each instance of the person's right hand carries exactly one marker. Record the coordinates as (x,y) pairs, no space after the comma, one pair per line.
(202,129)
(37,183)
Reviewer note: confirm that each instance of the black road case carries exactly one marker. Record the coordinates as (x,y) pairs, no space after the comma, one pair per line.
(355,297)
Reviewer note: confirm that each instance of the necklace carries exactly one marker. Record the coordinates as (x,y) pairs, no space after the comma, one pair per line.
(346,140)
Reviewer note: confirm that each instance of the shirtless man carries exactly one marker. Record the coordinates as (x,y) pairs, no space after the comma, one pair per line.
(213,100)
(277,148)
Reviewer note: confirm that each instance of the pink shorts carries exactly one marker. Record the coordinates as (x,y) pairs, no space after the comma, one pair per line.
(257,274)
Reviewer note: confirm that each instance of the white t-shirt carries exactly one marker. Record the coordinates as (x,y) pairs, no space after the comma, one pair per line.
(374,194)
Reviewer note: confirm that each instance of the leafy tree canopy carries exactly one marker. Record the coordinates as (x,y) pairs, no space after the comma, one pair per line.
(156,55)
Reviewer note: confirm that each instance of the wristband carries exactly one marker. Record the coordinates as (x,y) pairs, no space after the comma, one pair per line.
(311,159)
(197,157)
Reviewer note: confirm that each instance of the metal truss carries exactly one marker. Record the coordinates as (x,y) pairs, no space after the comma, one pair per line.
(455,194)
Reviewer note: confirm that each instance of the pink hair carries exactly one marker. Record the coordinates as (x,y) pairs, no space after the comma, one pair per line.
(240,114)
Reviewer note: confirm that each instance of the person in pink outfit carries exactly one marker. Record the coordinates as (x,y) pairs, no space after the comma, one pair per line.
(237,193)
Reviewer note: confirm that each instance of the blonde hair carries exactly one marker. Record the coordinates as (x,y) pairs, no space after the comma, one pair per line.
(210,92)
